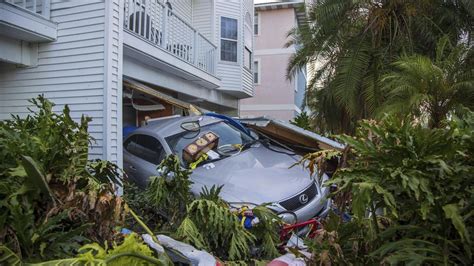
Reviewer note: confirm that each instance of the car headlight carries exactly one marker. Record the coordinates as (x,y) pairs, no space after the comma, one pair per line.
(288,217)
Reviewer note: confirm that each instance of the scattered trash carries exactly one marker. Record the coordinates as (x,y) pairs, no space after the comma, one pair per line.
(289,259)
(185,253)
(152,244)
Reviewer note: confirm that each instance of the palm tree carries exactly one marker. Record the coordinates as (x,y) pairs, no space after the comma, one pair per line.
(350,44)
(431,89)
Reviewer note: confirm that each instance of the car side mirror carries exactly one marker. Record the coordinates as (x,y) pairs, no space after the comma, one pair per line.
(192,126)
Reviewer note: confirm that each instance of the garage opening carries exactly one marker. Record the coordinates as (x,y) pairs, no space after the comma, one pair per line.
(142,104)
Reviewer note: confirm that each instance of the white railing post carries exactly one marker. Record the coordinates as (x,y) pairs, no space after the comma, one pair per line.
(164,18)
(125,14)
(46,9)
(195,48)
(146,15)
(214,60)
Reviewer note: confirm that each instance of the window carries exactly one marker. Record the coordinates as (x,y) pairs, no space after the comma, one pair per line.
(146,147)
(256,26)
(256,74)
(228,39)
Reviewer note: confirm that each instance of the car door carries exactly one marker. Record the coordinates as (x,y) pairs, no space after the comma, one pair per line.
(144,153)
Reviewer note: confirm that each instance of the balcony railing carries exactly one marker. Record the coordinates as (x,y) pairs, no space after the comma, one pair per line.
(159,25)
(39,7)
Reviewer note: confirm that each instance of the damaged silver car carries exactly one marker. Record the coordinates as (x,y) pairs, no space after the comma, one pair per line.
(252,170)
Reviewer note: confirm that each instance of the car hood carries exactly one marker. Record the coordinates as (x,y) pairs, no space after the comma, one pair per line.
(257,175)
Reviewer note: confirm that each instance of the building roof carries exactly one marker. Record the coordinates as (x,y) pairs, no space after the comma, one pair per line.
(298,5)
(270,5)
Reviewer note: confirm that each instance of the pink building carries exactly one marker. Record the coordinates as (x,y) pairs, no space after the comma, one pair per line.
(274,94)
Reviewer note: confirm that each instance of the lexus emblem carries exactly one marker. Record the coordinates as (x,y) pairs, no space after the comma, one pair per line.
(303,198)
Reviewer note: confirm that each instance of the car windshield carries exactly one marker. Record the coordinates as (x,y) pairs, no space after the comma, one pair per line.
(227,133)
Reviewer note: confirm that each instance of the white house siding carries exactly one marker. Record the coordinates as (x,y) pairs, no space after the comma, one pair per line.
(247,75)
(229,72)
(183,8)
(75,70)
(113,81)
(202,17)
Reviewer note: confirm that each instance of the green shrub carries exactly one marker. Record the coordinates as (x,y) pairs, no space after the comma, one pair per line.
(412,194)
(52,199)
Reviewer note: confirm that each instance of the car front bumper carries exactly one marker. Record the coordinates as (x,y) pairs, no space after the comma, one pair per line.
(317,206)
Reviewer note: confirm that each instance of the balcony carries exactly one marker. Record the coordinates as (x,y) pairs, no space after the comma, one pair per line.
(158,26)
(39,7)
(27,20)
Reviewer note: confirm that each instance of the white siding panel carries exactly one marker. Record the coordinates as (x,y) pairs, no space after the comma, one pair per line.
(81,37)
(203,17)
(73,65)
(49,74)
(183,8)
(69,71)
(79,30)
(113,80)
(247,77)
(71,59)
(55,88)
(247,81)
(98,41)
(81,23)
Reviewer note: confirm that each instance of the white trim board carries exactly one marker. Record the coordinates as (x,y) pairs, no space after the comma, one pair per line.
(269,107)
(289,50)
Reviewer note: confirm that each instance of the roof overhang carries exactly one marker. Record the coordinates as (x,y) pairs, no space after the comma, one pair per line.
(279,5)
(298,5)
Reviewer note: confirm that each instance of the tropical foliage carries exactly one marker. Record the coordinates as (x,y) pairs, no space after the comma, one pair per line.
(351,45)
(52,199)
(132,251)
(411,193)
(430,90)
(302,120)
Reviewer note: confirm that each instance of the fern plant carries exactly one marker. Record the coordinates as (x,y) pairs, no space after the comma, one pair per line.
(214,227)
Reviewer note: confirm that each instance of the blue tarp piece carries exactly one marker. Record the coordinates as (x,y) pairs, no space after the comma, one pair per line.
(231,121)
(127,130)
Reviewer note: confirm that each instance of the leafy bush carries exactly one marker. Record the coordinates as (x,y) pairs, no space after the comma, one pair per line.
(302,120)
(412,194)
(162,205)
(132,251)
(214,227)
(52,199)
